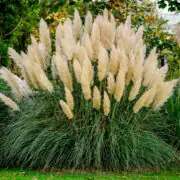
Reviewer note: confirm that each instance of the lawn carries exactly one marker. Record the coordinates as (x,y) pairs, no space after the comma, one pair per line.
(35,175)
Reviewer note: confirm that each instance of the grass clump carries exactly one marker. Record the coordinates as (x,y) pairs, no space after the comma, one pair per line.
(93,105)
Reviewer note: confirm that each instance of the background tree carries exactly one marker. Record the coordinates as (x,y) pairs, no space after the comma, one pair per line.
(173,5)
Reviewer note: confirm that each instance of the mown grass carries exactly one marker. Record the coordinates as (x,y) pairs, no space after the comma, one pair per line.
(35,175)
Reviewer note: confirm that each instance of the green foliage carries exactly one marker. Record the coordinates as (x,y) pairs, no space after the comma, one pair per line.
(173,5)
(17,18)
(40,136)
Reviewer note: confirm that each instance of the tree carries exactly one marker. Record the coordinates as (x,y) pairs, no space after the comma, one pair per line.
(173,5)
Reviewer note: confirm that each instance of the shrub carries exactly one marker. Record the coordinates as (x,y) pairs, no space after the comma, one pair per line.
(97,110)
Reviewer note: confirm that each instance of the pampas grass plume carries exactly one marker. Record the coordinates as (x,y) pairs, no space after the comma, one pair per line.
(106,104)
(140,103)
(164,91)
(102,63)
(77,25)
(69,98)
(66,109)
(77,70)
(120,85)
(9,102)
(45,35)
(134,90)
(114,61)
(88,23)
(110,83)
(96,98)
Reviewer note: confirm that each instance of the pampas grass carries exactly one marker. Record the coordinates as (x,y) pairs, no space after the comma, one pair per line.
(9,102)
(103,82)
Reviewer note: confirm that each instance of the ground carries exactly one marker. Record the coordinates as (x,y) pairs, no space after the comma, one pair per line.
(35,175)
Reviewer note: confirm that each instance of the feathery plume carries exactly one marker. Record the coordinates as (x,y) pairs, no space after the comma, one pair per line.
(95,37)
(77,25)
(66,109)
(134,91)
(114,61)
(141,102)
(9,102)
(88,47)
(15,57)
(90,70)
(77,70)
(105,15)
(11,79)
(106,104)
(45,35)
(151,96)
(164,91)
(69,98)
(102,63)
(107,34)
(110,83)
(120,85)
(42,79)
(150,67)
(96,98)
(63,71)
(85,84)
(159,76)
(88,23)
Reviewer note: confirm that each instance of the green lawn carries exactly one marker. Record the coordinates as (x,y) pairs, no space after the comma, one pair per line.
(34,175)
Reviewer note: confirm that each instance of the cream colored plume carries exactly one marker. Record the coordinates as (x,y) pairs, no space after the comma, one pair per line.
(111,83)
(96,98)
(103,61)
(66,109)
(68,42)
(159,76)
(150,67)
(81,53)
(77,25)
(11,79)
(95,37)
(42,79)
(77,70)
(114,61)
(59,37)
(45,35)
(123,60)
(134,90)
(106,104)
(141,102)
(107,34)
(9,102)
(151,96)
(105,14)
(15,57)
(88,23)
(69,98)
(90,70)
(63,71)
(85,83)
(37,53)
(164,91)
(120,85)
(88,47)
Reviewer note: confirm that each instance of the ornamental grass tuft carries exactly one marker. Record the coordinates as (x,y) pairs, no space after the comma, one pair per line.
(88,101)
